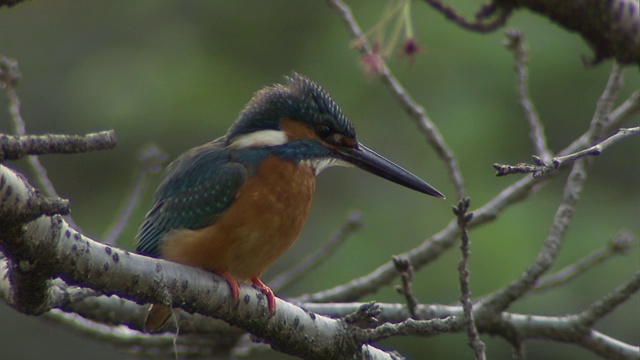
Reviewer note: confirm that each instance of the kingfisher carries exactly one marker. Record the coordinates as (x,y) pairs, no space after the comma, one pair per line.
(234,205)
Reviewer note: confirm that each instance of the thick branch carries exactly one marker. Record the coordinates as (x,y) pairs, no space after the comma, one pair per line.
(117,311)
(610,27)
(60,251)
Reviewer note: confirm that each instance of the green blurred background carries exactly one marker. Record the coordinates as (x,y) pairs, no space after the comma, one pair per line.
(176,73)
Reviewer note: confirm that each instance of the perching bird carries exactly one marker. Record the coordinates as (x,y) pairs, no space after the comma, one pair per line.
(234,205)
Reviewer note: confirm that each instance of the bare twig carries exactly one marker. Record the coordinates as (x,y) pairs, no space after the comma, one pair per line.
(516,43)
(606,100)
(16,147)
(150,160)
(353,224)
(478,26)
(415,110)
(404,267)
(10,76)
(502,298)
(540,168)
(616,118)
(602,120)
(621,243)
(432,247)
(429,250)
(464,217)
(630,107)
(365,314)
(601,308)
(424,328)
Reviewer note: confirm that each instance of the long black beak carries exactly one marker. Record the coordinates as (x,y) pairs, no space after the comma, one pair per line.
(368,160)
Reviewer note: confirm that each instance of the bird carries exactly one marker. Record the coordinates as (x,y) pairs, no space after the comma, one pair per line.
(235,204)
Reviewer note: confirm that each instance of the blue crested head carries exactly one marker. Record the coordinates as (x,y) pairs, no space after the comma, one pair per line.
(299,122)
(299,100)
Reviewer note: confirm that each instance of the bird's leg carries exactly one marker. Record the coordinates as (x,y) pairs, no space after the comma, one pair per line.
(271,299)
(233,285)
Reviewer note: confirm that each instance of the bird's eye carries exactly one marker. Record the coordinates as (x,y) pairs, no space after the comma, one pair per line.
(324,131)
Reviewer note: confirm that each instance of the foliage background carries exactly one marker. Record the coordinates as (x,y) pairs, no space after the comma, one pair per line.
(177,74)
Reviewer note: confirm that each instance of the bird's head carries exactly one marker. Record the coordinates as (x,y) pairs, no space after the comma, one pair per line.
(300,122)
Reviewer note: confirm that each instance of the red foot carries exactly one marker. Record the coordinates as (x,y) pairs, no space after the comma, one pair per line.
(271,299)
(233,285)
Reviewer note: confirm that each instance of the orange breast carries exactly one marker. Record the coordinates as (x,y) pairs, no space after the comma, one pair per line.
(263,222)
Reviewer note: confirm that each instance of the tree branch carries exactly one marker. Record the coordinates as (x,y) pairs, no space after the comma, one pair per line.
(59,250)
(405,269)
(464,217)
(602,307)
(562,329)
(417,112)
(540,168)
(610,27)
(516,43)
(48,265)
(422,328)
(501,299)
(615,119)
(605,102)
(16,147)
(477,26)
(9,78)
(432,247)
(619,244)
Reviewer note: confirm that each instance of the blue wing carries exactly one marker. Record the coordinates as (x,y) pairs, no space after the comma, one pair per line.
(196,187)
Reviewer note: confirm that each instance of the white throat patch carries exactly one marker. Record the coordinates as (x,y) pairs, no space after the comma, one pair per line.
(259,139)
(322,163)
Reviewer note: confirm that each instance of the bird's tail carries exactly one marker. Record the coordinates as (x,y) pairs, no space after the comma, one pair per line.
(157,316)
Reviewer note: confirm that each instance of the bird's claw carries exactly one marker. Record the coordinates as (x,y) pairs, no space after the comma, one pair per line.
(271,299)
(233,285)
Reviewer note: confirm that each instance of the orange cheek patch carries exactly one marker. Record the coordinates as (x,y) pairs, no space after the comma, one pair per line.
(297,130)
